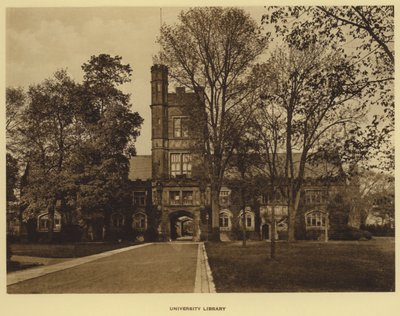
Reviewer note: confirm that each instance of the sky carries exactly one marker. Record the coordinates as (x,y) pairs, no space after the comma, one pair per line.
(40,41)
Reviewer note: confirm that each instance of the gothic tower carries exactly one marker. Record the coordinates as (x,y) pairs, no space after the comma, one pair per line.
(159,117)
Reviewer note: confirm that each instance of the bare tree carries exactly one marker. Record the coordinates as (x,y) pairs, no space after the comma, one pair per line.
(365,35)
(311,87)
(211,51)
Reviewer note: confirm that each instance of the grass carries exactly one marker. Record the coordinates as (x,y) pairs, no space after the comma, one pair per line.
(304,266)
(65,250)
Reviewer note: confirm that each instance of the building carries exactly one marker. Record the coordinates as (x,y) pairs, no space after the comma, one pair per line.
(172,201)
(182,201)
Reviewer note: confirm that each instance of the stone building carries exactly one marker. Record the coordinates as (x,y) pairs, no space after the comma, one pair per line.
(172,201)
(181,204)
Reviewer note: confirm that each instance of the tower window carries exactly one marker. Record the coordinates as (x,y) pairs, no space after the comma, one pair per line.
(180,164)
(181,128)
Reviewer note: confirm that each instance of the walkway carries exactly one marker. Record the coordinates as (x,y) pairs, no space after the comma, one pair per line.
(150,268)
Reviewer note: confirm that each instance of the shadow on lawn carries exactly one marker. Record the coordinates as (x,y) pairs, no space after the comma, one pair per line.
(304,266)
(13,266)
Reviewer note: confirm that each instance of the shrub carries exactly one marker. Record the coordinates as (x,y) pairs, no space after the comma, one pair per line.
(32,234)
(238,233)
(151,234)
(71,233)
(379,230)
(314,234)
(9,253)
(282,234)
(349,233)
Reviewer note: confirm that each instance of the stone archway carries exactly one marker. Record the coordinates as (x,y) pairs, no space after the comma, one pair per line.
(182,225)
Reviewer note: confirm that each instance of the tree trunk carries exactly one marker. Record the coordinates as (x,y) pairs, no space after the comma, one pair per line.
(243,207)
(50,213)
(273,231)
(214,236)
(293,207)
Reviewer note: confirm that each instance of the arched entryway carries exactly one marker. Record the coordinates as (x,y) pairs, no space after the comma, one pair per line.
(181,225)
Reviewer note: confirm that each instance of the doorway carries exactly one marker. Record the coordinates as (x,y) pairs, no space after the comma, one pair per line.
(265,232)
(181,225)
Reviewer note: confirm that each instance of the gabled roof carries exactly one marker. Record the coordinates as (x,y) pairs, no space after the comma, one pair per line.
(140,167)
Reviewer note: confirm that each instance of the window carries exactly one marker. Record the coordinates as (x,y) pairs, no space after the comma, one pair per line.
(187,197)
(249,220)
(315,196)
(174,197)
(181,128)
(139,221)
(279,198)
(224,197)
(139,198)
(315,219)
(225,222)
(43,222)
(117,220)
(186,164)
(181,164)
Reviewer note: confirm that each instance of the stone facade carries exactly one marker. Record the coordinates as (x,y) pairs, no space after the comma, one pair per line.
(181,202)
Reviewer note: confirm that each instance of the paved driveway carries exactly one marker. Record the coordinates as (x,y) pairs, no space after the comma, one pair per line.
(156,268)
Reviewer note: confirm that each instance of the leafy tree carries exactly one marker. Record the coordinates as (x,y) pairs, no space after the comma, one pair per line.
(211,51)
(75,138)
(12,177)
(15,103)
(47,143)
(109,131)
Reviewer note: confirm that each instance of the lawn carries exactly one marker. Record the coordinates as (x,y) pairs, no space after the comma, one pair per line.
(31,254)
(304,266)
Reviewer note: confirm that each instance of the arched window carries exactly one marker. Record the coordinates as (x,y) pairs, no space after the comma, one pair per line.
(139,222)
(117,220)
(249,219)
(315,219)
(43,222)
(225,220)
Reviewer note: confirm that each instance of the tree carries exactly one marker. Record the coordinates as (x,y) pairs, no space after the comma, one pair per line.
(109,132)
(211,51)
(366,35)
(76,138)
(15,104)
(310,86)
(12,177)
(47,142)
(269,129)
(240,174)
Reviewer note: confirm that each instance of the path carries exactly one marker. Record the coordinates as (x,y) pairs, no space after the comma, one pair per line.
(154,268)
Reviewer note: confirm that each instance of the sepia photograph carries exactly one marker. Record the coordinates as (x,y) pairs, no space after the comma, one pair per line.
(200,149)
